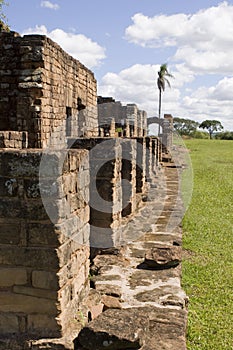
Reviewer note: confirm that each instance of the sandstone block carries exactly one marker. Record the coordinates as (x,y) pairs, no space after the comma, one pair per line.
(110,302)
(8,323)
(12,276)
(41,235)
(11,302)
(148,328)
(163,257)
(43,324)
(45,280)
(29,257)
(35,292)
(9,233)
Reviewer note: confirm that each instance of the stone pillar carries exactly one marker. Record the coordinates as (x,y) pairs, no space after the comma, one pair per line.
(140,165)
(167,137)
(44,243)
(128,174)
(127,128)
(105,189)
(149,157)
(112,129)
(154,155)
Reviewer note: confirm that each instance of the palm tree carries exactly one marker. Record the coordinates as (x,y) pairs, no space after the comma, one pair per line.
(161,82)
(3,26)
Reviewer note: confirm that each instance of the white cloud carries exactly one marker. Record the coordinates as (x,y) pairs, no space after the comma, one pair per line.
(137,84)
(204,40)
(213,102)
(79,46)
(49,5)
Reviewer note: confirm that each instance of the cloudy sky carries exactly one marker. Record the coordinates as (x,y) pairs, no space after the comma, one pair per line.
(124,42)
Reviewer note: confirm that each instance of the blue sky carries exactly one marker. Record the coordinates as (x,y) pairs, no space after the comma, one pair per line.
(124,42)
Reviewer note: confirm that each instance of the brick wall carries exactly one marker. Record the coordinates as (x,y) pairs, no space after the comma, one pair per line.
(44,242)
(13,139)
(44,91)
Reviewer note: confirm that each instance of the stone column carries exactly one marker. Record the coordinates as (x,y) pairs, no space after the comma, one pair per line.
(154,155)
(105,190)
(140,165)
(167,137)
(148,158)
(44,243)
(128,174)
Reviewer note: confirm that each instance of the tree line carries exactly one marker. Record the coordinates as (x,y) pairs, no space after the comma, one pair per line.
(189,127)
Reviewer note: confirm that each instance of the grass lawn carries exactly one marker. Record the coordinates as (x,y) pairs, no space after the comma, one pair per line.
(207,267)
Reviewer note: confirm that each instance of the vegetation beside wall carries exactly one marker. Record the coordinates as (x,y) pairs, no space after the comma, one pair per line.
(208,260)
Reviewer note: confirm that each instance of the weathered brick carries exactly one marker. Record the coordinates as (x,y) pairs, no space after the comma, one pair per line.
(12,276)
(43,324)
(40,234)
(45,279)
(8,323)
(29,257)
(9,233)
(11,302)
(35,292)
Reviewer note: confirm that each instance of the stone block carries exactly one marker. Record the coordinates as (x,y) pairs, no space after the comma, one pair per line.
(12,276)
(45,280)
(10,208)
(9,233)
(163,257)
(35,292)
(8,323)
(29,257)
(43,324)
(41,235)
(11,302)
(19,163)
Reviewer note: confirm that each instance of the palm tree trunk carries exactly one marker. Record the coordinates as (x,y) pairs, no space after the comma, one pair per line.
(160,103)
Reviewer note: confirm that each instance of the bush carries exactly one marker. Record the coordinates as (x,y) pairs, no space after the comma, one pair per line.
(200,135)
(226,135)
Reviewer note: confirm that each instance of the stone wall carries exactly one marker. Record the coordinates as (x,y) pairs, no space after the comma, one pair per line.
(129,119)
(44,242)
(63,190)
(13,139)
(118,172)
(44,91)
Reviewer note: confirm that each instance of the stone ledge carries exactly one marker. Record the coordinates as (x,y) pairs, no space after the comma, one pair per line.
(135,328)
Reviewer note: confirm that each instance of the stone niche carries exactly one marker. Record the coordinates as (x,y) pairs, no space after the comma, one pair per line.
(44,91)
(44,243)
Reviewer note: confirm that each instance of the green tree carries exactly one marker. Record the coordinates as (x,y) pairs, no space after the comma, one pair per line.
(185,126)
(3,25)
(211,126)
(161,82)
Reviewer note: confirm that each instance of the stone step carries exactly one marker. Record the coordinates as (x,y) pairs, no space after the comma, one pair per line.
(145,328)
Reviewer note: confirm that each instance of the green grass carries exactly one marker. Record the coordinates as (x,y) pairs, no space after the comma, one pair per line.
(207,275)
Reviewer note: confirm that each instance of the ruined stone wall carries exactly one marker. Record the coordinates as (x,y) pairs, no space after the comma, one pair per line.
(44,91)
(55,206)
(44,242)
(118,172)
(132,120)
(13,139)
